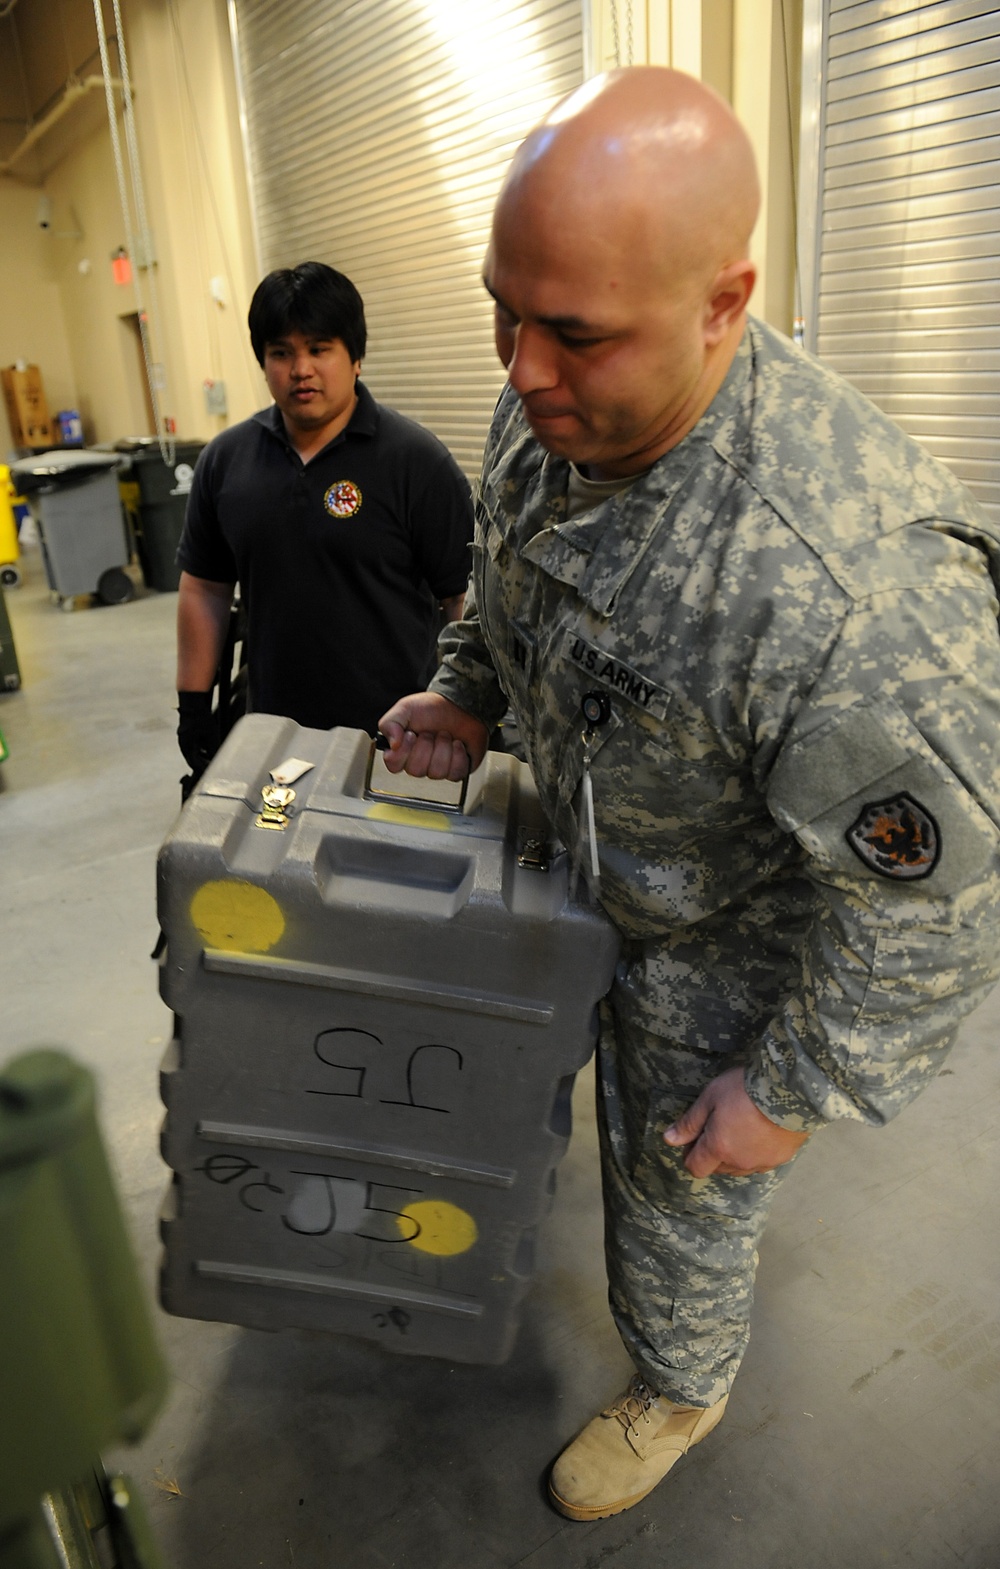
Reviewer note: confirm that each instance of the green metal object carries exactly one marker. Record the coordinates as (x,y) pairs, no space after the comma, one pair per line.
(10,670)
(96,1524)
(80,1369)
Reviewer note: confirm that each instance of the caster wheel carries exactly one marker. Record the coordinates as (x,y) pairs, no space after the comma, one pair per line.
(10,576)
(115,587)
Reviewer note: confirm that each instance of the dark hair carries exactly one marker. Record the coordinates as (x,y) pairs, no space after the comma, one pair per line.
(311,298)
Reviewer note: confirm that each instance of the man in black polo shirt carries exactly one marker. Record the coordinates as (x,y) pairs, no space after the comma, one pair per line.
(346,526)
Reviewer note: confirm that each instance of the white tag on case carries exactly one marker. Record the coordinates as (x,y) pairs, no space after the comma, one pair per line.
(291,769)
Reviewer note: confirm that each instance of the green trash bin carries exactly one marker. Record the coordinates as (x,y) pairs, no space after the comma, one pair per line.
(80,1370)
(163,492)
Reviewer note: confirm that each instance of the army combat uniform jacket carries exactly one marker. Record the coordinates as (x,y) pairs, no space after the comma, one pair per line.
(793,614)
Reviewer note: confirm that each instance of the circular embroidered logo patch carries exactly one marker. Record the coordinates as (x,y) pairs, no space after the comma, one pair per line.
(343,499)
(897,838)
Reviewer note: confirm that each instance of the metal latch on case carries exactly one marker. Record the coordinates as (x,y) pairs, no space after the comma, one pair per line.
(274,811)
(535,855)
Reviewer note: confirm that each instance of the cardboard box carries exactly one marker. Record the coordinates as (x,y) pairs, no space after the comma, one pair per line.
(27,410)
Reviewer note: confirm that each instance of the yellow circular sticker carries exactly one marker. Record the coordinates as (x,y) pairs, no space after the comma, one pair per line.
(386,812)
(444,1228)
(236,917)
(343,499)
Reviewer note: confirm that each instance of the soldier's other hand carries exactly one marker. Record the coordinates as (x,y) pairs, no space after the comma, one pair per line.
(432,738)
(727,1134)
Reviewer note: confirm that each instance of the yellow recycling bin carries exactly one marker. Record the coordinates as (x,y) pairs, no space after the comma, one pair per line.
(10,573)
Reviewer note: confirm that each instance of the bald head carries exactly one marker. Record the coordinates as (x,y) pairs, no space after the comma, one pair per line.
(618,264)
(653,153)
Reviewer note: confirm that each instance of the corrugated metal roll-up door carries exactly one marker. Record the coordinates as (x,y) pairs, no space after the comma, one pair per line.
(377,135)
(908,277)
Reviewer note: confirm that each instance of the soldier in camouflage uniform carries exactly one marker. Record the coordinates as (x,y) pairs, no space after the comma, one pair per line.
(772,645)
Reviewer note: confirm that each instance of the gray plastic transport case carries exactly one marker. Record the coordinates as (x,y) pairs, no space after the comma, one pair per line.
(381,1004)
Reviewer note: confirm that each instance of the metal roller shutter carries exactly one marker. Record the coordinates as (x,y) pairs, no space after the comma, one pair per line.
(908,277)
(377,134)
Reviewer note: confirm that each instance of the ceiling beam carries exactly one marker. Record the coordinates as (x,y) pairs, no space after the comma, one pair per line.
(74,91)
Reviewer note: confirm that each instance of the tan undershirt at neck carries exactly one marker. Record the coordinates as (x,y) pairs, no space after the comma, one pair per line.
(583,494)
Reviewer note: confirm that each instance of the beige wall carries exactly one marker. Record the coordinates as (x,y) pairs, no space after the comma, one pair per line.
(72,320)
(196,197)
(750,52)
(767,63)
(32,326)
(105,363)
(691,35)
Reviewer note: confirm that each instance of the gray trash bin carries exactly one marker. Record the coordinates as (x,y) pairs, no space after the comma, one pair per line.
(381,1006)
(74,499)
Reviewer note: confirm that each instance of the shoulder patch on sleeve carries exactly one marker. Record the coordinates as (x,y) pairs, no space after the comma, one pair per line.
(897,838)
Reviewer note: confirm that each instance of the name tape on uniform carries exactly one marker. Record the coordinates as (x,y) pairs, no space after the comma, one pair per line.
(601,666)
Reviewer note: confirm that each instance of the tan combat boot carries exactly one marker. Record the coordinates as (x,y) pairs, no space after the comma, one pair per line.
(622,1454)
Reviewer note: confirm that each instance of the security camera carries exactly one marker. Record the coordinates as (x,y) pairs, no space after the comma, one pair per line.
(43,216)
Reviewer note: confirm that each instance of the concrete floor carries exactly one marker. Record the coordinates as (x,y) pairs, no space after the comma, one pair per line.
(863,1429)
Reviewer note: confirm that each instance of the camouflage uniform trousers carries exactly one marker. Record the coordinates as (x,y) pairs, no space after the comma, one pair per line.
(681,1251)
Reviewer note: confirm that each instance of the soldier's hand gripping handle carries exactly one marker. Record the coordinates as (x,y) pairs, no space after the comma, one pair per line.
(432,738)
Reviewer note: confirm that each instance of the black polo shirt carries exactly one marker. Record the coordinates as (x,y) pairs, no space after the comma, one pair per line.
(341,561)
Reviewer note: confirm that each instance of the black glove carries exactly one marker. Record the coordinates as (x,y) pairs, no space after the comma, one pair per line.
(197,731)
